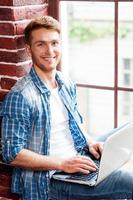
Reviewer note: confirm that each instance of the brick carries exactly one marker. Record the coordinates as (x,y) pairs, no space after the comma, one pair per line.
(7,29)
(6,2)
(0,152)
(21,2)
(3,94)
(6,14)
(19,27)
(6,169)
(13,57)
(12,43)
(29,12)
(7,83)
(17,70)
(5,188)
(20,13)
(5,192)
(5,180)
(13,28)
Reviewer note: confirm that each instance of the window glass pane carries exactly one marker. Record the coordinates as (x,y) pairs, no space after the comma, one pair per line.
(88,41)
(96,107)
(126,44)
(125,107)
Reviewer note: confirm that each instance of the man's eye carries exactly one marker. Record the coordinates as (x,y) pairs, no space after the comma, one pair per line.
(55,43)
(40,44)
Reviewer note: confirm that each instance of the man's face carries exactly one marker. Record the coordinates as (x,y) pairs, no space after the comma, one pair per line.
(45,49)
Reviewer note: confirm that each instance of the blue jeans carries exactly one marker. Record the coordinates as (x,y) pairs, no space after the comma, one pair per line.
(119,185)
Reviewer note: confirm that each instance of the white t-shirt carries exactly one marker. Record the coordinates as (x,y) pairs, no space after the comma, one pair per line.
(61,143)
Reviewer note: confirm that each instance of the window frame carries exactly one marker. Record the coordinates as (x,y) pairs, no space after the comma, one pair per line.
(54,11)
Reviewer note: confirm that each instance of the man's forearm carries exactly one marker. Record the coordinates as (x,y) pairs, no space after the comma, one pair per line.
(31,160)
(89,139)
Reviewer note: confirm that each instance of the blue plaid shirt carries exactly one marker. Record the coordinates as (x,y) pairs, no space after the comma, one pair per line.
(27,123)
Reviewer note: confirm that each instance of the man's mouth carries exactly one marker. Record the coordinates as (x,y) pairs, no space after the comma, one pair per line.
(49,59)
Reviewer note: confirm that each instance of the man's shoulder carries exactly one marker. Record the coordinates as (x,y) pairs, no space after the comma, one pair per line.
(20,91)
(22,84)
(65,78)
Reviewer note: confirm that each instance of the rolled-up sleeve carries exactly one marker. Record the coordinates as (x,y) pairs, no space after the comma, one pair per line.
(15,125)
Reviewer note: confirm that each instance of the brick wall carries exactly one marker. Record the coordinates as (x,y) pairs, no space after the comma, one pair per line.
(14,15)
(14,62)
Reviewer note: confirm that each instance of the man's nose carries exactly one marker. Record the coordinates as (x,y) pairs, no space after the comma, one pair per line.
(49,49)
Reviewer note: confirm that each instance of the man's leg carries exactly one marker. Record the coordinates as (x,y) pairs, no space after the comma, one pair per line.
(118,185)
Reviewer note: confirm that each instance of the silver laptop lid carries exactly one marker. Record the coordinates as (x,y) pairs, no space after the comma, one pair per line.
(118,148)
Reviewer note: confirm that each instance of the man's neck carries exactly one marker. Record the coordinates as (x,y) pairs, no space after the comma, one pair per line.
(51,83)
(47,77)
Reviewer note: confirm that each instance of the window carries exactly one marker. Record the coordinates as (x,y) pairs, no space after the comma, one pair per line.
(127,79)
(98,55)
(126,63)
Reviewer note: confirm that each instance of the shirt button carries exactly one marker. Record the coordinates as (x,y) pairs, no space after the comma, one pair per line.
(8,141)
(48,93)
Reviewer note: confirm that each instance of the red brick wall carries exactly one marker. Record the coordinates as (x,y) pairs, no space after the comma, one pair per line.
(14,15)
(14,62)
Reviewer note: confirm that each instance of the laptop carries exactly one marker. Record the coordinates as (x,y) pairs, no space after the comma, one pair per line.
(117,150)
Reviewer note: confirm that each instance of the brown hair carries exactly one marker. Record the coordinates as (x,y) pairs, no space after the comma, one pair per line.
(47,22)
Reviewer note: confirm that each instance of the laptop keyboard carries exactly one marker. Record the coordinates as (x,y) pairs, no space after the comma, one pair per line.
(80,177)
(86,177)
(83,177)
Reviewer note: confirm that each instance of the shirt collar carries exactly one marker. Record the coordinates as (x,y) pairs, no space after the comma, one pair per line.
(40,84)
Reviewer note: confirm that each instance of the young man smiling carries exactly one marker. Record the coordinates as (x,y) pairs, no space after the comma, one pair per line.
(42,131)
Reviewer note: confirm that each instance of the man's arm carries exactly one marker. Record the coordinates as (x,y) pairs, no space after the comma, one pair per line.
(95,147)
(16,126)
(33,161)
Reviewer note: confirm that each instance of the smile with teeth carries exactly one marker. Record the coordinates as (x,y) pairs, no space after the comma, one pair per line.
(49,59)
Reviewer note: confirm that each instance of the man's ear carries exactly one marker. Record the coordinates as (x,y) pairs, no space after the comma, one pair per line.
(28,49)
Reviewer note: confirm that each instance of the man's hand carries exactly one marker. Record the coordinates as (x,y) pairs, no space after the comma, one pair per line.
(96,149)
(78,164)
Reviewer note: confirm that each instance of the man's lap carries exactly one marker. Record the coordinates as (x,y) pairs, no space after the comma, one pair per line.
(119,185)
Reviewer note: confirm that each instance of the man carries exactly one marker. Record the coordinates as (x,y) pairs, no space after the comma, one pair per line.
(42,131)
